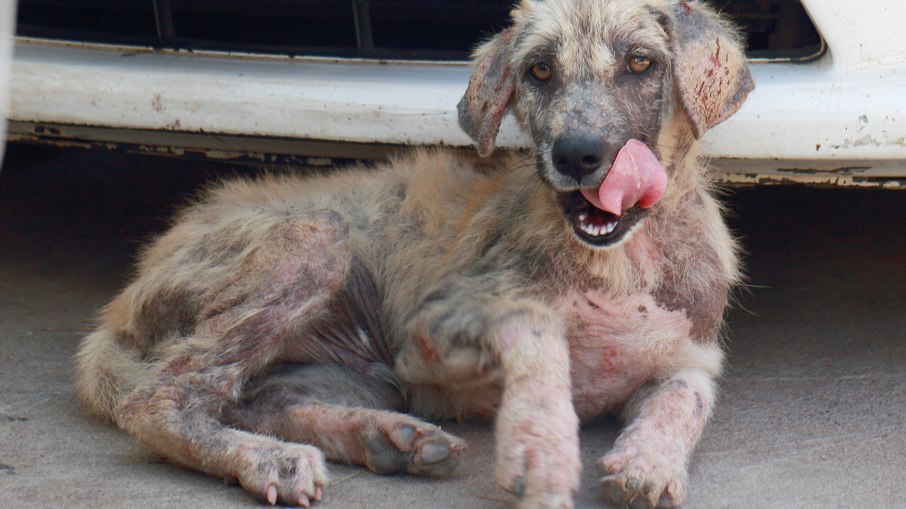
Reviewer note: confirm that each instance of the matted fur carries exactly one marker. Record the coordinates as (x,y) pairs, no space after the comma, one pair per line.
(284,319)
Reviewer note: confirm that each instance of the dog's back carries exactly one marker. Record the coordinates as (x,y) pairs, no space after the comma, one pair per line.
(410,223)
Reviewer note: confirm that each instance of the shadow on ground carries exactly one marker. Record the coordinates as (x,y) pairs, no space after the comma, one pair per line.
(812,408)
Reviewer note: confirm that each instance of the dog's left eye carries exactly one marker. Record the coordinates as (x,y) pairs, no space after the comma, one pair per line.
(638,64)
(542,72)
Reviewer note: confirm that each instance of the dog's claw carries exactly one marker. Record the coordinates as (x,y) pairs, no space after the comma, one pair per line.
(613,492)
(518,486)
(271,494)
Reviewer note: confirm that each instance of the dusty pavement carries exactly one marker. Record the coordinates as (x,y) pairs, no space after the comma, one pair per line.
(812,411)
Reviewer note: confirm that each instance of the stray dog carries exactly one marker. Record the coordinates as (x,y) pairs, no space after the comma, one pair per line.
(287,319)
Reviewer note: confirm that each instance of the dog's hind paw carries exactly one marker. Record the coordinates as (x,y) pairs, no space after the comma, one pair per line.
(408,445)
(291,474)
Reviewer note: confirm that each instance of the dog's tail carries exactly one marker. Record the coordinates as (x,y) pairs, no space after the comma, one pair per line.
(107,370)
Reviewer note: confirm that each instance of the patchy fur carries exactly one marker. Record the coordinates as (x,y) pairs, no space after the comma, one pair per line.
(284,319)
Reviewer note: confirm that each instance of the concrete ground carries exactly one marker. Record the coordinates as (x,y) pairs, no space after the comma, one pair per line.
(812,412)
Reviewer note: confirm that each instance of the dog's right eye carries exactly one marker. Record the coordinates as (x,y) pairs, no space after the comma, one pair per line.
(542,71)
(638,64)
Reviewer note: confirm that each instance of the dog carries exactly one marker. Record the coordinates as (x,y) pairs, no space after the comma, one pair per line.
(286,320)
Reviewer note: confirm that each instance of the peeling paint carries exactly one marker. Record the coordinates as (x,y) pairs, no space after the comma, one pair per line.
(56,143)
(825,180)
(320,161)
(156,149)
(226,155)
(843,171)
(870,141)
(76,137)
(271,152)
(157,104)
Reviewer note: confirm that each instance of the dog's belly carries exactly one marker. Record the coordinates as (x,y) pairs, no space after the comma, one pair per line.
(617,346)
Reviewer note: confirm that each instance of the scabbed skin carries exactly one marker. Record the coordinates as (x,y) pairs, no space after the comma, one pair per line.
(287,320)
(636,178)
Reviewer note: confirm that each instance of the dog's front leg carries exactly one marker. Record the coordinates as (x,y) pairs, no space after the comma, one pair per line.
(536,427)
(647,466)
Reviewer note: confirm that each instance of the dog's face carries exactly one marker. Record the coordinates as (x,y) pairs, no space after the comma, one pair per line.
(585,77)
(590,77)
(588,80)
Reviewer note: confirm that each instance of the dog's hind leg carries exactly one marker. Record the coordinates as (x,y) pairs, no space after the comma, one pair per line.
(280,282)
(351,417)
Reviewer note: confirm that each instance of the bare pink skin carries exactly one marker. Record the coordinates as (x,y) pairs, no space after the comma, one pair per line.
(287,320)
(537,458)
(612,365)
(609,364)
(636,178)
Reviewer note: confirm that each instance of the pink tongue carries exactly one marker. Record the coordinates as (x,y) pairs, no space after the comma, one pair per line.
(636,178)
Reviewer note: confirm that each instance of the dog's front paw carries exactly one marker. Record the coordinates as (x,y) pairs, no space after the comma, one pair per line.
(292,474)
(639,478)
(538,451)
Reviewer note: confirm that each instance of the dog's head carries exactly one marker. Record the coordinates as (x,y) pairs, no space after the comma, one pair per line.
(584,77)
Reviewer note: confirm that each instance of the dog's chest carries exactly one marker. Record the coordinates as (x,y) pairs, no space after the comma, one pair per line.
(617,345)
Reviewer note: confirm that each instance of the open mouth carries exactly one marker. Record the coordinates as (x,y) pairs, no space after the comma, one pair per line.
(598,227)
(635,182)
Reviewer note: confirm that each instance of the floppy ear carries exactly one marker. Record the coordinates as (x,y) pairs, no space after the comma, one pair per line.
(710,72)
(491,87)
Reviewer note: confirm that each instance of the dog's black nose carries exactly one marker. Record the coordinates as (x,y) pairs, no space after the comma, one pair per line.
(577,156)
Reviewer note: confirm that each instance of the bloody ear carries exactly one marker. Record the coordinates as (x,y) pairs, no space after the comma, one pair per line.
(711,76)
(482,107)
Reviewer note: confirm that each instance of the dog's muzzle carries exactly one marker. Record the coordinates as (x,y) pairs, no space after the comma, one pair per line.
(635,182)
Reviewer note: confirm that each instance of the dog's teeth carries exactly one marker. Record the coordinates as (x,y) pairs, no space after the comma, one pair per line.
(595,230)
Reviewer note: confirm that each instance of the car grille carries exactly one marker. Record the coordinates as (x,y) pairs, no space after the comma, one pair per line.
(384,29)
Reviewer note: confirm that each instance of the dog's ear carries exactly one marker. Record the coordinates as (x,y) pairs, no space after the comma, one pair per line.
(491,87)
(710,72)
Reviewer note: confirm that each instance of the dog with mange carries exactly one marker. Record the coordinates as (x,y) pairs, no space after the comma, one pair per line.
(284,320)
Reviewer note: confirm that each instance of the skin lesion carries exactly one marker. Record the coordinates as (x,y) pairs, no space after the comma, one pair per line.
(692,279)
(703,305)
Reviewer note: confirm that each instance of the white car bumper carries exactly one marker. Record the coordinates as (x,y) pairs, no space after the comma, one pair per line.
(840,119)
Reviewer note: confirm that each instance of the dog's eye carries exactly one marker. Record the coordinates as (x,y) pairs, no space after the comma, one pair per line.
(542,71)
(638,64)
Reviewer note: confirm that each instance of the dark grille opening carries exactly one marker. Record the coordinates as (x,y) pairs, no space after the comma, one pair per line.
(405,29)
(452,28)
(775,29)
(320,27)
(105,21)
